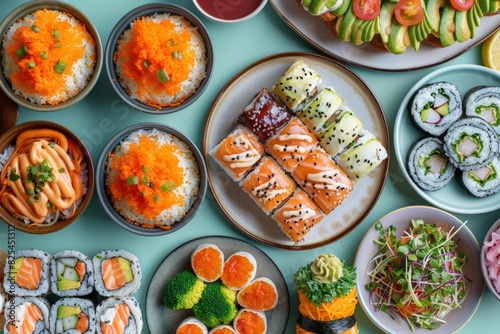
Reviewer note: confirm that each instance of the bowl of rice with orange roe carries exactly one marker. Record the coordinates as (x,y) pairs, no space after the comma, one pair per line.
(159,58)
(51,55)
(151,179)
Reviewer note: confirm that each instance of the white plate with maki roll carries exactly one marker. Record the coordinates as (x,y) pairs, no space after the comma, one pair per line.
(466,144)
(309,115)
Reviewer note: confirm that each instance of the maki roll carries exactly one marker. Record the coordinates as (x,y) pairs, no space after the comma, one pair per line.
(484,101)
(248,321)
(435,106)
(191,325)
(264,115)
(119,316)
(320,108)
(484,181)
(238,153)
(470,143)
(239,270)
(117,273)
(299,83)
(297,216)
(292,144)
(207,261)
(27,315)
(259,295)
(72,274)
(72,315)
(268,185)
(27,273)
(428,165)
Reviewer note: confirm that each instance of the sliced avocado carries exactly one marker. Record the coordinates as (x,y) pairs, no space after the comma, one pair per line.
(64,311)
(447,26)
(316,6)
(478,13)
(462,30)
(18,262)
(127,270)
(444,109)
(398,38)
(494,6)
(433,9)
(485,6)
(369,31)
(305,3)
(356,31)
(415,40)
(346,25)
(386,14)
(342,9)
(471,21)
(64,284)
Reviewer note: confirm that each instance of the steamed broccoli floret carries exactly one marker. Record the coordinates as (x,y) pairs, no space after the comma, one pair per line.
(183,291)
(217,305)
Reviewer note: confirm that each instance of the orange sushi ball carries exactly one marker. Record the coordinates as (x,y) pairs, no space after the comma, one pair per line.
(207,261)
(191,325)
(250,322)
(222,329)
(239,270)
(259,295)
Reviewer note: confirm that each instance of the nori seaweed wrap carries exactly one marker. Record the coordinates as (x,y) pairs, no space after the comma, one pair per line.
(484,102)
(482,182)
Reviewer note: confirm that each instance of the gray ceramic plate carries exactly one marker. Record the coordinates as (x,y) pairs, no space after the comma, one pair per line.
(468,244)
(161,319)
(452,197)
(231,101)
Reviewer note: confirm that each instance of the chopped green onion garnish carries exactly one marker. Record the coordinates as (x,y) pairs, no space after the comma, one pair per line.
(132,180)
(31,64)
(13,175)
(145,169)
(162,75)
(35,28)
(61,170)
(44,55)
(56,34)
(171,42)
(168,185)
(177,54)
(22,52)
(59,66)
(58,44)
(143,193)
(145,179)
(146,63)
(156,198)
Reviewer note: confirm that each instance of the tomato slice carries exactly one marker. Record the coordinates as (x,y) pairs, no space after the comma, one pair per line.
(409,12)
(366,10)
(462,4)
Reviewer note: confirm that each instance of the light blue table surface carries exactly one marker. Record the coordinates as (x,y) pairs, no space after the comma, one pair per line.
(235,47)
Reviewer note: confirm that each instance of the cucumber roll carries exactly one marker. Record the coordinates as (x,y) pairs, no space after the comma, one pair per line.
(484,181)
(119,316)
(428,165)
(484,101)
(435,106)
(72,315)
(319,109)
(470,143)
(27,312)
(72,274)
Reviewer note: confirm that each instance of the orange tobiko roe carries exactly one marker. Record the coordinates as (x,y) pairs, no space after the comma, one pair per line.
(237,271)
(156,163)
(223,330)
(207,263)
(36,72)
(157,44)
(249,322)
(258,295)
(189,329)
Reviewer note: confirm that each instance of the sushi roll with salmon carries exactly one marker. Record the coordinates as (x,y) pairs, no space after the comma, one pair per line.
(72,274)
(297,216)
(320,177)
(248,321)
(117,273)
(191,325)
(238,153)
(292,144)
(299,83)
(27,315)
(264,115)
(320,109)
(72,315)
(484,102)
(27,273)
(119,316)
(268,185)
(222,329)
(207,261)
(239,270)
(482,182)
(259,295)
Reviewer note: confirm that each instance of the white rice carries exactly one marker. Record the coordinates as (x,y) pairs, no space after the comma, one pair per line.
(189,189)
(76,79)
(197,74)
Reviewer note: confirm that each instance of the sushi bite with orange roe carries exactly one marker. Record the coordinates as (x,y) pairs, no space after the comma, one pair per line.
(250,322)
(191,325)
(222,329)
(207,261)
(239,270)
(259,295)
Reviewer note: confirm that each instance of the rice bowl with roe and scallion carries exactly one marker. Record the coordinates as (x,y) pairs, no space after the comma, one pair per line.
(152,179)
(161,60)
(48,57)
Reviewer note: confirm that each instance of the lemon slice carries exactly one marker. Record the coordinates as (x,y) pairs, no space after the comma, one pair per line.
(490,51)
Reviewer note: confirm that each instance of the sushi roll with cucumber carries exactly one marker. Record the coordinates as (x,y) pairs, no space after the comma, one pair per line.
(320,108)
(470,143)
(428,165)
(117,273)
(119,316)
(27,273)
(435,106)
(484,181)
(72,315)
(72,274)
(484,101)
(27,315)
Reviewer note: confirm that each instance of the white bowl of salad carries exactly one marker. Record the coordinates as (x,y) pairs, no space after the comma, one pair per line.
(490,259)
(419,269)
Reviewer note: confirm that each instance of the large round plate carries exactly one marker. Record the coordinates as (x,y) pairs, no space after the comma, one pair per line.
(231,101)
(452,197)
(314,31)
(161,319)
(468,244)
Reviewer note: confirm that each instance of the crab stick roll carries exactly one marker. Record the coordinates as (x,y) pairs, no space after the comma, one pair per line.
(268,185)
(72,315)
(320,109)
(117,273)
(27,273)
(238,153)
(298,83)
(222,329)
(27,315)
(259,295)
(250,322)
(435,106)
(482,182)
(484,101)
(191,325)
(119,316)
(291,144)
(239,270)
(72,274)
(207,261)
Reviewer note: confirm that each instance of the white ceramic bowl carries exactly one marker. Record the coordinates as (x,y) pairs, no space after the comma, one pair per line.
(225,11)
(484,269)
